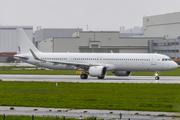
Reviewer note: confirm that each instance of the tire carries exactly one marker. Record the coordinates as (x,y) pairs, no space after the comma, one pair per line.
(101,77)
(157,78)
(84,76)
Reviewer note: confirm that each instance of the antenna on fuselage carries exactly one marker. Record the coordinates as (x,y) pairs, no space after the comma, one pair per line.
(111,51)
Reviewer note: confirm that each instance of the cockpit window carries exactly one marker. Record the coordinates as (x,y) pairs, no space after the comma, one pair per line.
(166,59)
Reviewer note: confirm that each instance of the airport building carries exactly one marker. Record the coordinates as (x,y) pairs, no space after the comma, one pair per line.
(169,47)
(133,32)
(43,34)
(166,25)
(97,42)
(8,38)
(160,34)
(8,41)
(158,28)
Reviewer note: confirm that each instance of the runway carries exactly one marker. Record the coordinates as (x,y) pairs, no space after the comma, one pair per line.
(76,78)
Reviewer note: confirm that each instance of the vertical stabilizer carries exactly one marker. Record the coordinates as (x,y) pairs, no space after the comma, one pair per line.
(25,43)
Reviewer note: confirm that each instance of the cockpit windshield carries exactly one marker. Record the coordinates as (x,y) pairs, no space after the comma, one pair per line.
(166,59)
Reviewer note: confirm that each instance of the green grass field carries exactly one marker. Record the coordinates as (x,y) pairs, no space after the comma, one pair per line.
(125,96)
(7,70)
(13,117)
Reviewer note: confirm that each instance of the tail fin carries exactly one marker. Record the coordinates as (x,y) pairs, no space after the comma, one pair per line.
(24,42)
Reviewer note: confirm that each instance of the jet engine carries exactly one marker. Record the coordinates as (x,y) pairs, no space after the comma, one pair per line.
(97,71)
(122,73)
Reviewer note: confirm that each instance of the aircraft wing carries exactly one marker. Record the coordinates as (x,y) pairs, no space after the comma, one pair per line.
(81,65)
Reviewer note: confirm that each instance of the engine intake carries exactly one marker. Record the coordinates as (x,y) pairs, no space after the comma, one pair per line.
(122,73)
(97,71)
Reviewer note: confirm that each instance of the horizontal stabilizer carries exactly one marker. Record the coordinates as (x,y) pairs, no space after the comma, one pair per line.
(21,56)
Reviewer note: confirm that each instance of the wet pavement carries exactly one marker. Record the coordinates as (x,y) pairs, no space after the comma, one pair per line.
(99,114)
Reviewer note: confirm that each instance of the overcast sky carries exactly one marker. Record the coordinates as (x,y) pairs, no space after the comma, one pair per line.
(97,14)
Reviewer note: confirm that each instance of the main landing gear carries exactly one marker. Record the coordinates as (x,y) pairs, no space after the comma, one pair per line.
(84,76)
(156,76)
(101,77)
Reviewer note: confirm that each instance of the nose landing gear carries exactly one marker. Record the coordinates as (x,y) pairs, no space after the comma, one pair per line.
(156,76)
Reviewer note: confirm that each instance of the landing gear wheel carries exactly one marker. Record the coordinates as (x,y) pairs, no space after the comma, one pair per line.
(84,76)
(101,77)
(156,75)
(157,78)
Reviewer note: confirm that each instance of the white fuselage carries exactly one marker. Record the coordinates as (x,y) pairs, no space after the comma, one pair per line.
(112,61)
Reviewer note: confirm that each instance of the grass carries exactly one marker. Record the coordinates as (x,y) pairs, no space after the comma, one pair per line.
(13,67)
(125,96)
(73,72)
(14,117)
(163,73)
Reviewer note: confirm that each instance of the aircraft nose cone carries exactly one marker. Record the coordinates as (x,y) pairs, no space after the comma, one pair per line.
(175,65)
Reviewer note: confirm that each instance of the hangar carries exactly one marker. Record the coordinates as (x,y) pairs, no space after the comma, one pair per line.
(160,33)
(96,41)
(167,26)
(8,41)
(157,29)
(169,47)
(42,34)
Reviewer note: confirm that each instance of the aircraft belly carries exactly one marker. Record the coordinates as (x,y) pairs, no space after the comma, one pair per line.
(134,66)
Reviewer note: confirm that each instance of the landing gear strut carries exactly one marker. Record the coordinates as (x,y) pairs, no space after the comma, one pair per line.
(84,76)
(156,76)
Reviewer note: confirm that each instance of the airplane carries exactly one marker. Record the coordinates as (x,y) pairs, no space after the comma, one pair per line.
(94,64)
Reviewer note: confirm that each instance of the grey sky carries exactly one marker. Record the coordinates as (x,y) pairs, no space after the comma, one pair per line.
(97,14)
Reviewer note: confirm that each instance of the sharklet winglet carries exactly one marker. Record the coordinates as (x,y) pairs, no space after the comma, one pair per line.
(35,57)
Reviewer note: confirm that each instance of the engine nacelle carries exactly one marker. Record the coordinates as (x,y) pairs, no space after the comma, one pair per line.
(122,73)
(97,71)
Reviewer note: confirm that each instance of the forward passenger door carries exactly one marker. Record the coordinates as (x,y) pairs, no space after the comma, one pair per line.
(153,60)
